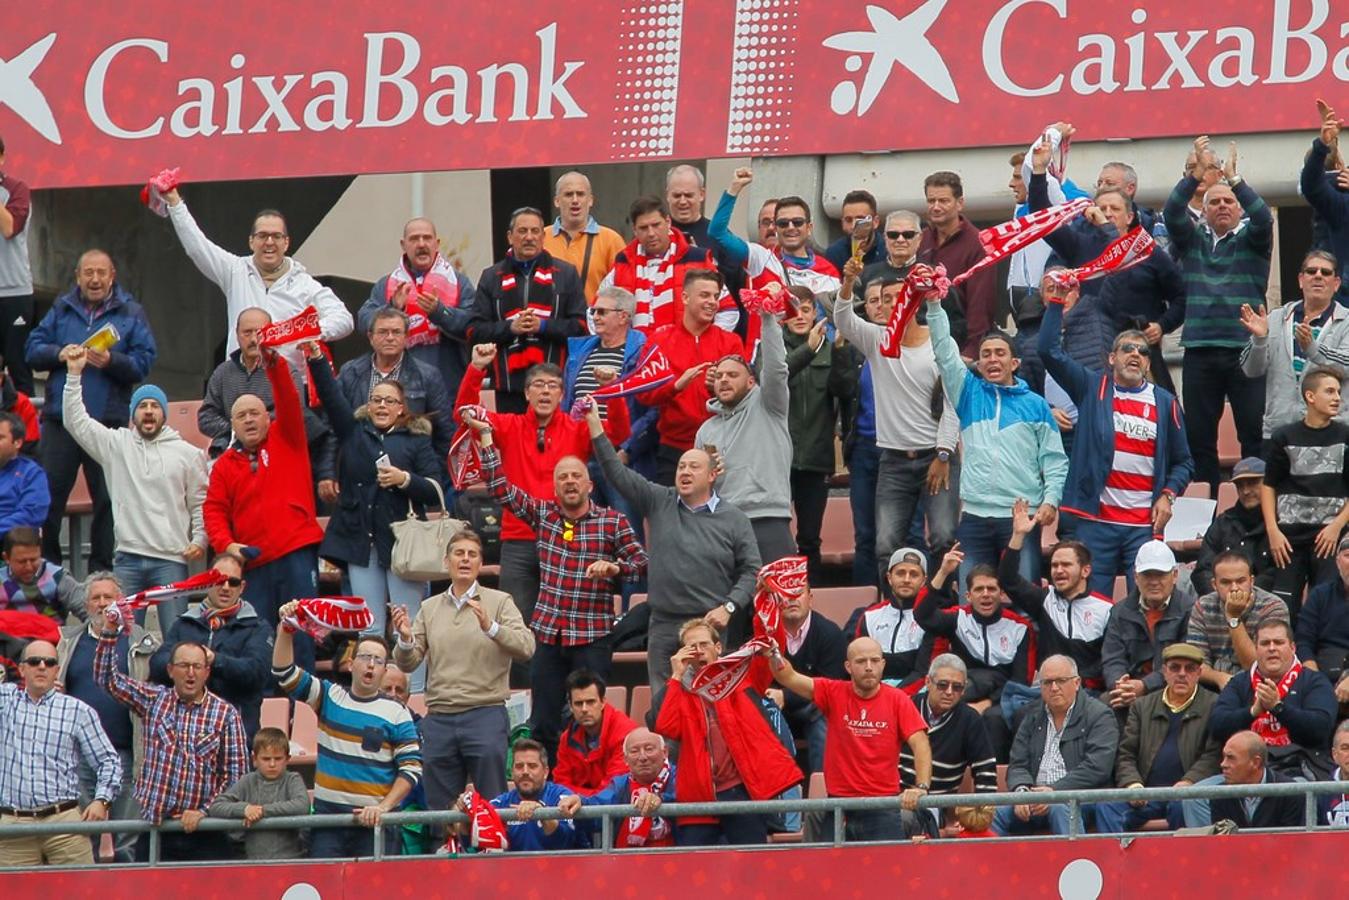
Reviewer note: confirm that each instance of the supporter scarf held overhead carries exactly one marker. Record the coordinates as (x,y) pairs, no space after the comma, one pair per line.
(652,371)
(465,463)
(719,678)
(188,589)
(152,195)
(1131,249)
(1270,729)
(780,581)
(998,242)
(303,326)
(320,616)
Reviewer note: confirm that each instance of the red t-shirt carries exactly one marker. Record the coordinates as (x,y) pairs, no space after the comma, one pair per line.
(861,757)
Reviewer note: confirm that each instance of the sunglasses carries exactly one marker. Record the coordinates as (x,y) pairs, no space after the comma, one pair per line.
(1316,270)
(234,582)
(568,531)
(906,235)
(798,222)
(944,686)
(38,662)
(1130,347)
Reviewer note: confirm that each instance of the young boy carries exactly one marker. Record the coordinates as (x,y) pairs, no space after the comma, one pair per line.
(269,790)
(1306,486)
(975,821)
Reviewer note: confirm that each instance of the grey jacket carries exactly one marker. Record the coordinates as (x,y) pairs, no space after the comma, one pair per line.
(1090,739)
(143,646)
(1272,356)
(286,796)
(1145,732)
(753,437)
(1130,648)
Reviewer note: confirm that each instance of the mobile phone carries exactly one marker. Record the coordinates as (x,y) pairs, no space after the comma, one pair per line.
(383,461)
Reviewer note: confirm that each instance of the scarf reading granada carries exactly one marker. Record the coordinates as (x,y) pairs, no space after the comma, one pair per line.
(1270,729)
(998,243)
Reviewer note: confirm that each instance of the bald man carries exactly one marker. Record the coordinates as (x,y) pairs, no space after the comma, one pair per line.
(867,723)
(437,298)
(704,556)
(97,302)
(576,237)
(649,782)
(585,551)
(1245,761)
(44,735)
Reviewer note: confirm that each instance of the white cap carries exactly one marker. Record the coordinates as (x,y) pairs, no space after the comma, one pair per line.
(1155,556)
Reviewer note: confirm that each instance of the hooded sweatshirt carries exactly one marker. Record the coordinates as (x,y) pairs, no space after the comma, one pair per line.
(157,484)
(753,438)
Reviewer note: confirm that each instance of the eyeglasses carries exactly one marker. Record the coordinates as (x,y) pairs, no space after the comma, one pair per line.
(1182,667)
(603,310)
(1057,682)
(385,401)
(957,687)
(389,332)
(265,236)
(1318,270)
(797,222)
(188,666)
(234,582)
(373,658)
(906,235)
(1130,347)
(549,384)
(38,662)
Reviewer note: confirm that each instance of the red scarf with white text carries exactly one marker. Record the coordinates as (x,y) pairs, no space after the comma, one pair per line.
(442,282)
(642,829)
(1270,729)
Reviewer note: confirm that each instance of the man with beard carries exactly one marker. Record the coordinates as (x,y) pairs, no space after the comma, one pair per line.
(157,482)
(529,771)
(892,623)
(648,782)
(369,752)
(868,722)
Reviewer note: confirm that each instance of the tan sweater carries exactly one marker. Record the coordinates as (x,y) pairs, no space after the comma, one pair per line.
(465,669)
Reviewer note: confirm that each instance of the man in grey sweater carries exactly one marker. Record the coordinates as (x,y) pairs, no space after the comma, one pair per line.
(702,551)
(748,436)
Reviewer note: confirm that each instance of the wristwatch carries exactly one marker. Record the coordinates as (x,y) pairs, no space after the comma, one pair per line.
(1233,623)
(924,786)
(730,607)
(944,455)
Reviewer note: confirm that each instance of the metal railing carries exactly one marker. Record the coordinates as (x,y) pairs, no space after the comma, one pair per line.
(835,806)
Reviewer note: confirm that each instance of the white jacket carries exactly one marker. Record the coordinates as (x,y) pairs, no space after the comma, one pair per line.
(157,486)
(242,283)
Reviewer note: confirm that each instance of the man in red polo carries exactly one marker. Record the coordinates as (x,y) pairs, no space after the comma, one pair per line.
(590,753)
(867,722)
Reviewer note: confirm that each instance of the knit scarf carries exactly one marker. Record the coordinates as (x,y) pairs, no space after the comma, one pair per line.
(654,283)
(527,349)
(124,608)
(1270,729)
(465,464)
(303,326)
(320,616)
(488,831)
(219,618)
(779,581)
(1131,249)
(440,282)
(643,828)
(652,371)
(719,678)
(922,282)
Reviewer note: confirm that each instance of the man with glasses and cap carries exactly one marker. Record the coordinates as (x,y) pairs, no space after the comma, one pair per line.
(1240,529)
(44,735)
(1155,615)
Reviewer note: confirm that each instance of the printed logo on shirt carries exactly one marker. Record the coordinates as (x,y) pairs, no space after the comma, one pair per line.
(864,727)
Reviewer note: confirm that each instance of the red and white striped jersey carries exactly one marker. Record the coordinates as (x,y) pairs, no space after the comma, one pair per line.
(1126,498)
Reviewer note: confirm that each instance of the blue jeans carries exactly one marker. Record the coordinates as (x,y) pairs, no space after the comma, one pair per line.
(124,805)
(862,465)
(1006,823)
(1113,548)
(901,482)
(379,587)
(873,825)
(272,585)
(138,573)
(983,538)
(1119,817)
(746,829)
(339,843)
(1197,813)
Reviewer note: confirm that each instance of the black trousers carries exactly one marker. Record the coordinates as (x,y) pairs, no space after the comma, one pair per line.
(16,320)
(1212,375)
(62,458)
(810,494)
(548,672)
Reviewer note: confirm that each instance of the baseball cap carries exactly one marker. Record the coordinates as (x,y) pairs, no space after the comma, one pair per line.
(1183,651)
(1155,556)
(1250,467)
(1344,542)
(909,555)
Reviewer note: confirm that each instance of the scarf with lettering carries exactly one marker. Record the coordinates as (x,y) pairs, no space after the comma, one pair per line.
(441,282)
(188,589)
(1270,729)
(1130,249)
(488,831)
(719,678)
(465,463)
(642,829)
(921,282)
(779,581)
(653,370)
(320,616)
(303,326)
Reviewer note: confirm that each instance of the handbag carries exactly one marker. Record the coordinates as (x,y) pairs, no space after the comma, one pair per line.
(419,544)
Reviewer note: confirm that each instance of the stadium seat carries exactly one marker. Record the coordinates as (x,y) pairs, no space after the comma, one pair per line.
(616,695)
(1198,489)
(182,418)
(837,603)
(276,714)
(1227,497)
(417,703)
(1229,448)
(1121,588)
(838,545)
(641,703)
(304,736)
(816,791)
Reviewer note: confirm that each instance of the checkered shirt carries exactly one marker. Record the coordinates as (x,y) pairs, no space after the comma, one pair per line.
(41,745)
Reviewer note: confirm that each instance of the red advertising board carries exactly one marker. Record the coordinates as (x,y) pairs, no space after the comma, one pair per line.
(100,92)
(1287,865)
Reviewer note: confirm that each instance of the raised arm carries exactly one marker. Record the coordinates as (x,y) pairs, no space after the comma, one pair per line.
(641,493)
(719,231)
(1024,595)
(334,402)
(953,368)
(793,680)
(289,422)
(773,366)
(216,263)
(1071,375)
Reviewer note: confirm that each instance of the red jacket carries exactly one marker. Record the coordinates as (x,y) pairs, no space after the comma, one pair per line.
(765,765)
(683,411)
(685,256)
(589,771)
(516,436)
(266,499)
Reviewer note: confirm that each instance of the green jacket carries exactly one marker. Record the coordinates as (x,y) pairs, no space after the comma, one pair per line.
(821,387)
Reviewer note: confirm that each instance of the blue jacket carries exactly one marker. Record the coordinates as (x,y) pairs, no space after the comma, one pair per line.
(579,350)
(107,391)
(1323,625)
(243,658)
(423,388)
(527,836)
(1309,710)
(24,495)
(1012,445)
(1331,203)
(1093,392)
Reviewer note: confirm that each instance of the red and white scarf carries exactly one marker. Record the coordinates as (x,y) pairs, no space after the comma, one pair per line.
(303,326)
(189,588)
(719,678)
(487,832)
(441,282)
(652,371)
(922,281)
(319,616)
(648,828)
(1131,249)
(654,284)
(152,195)
(465,462)
(1266,725)
(781,580)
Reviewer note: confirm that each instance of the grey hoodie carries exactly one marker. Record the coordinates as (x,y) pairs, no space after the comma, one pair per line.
(753,438)
(157,486)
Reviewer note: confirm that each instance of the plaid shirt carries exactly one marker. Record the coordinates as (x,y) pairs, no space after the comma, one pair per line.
(41,745)
(1052,767)
(572,609)
(1209,632)
(193,751)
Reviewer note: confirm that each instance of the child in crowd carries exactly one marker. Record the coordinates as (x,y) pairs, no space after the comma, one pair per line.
(269,790)
(975,821)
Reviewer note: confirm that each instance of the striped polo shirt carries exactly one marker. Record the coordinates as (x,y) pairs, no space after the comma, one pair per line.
(1126,498)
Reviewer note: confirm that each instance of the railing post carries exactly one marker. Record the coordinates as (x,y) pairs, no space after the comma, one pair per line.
(154,846)
(606,833)
(838,826)
(1310,810)
(378,847)
(1074,826)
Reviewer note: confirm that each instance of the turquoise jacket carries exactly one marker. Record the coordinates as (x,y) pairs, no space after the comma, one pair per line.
(1012,445)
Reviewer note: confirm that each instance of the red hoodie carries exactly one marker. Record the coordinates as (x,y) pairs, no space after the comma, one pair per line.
(683,411)
(589,771)
(266,499)
(516,436)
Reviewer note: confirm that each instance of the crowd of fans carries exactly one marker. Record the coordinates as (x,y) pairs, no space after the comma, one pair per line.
(963,442)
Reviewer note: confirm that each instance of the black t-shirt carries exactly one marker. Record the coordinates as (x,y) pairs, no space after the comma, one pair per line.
(1306,468)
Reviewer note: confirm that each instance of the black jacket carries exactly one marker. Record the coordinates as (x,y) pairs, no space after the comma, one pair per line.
(423,389)
(1131,649)
(1323,629)
(1241,531)
(821,656)
(365,511)
(1090,739)
(1309,711)
(1273,812)
(510,286)
(989,665)
(242,668)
